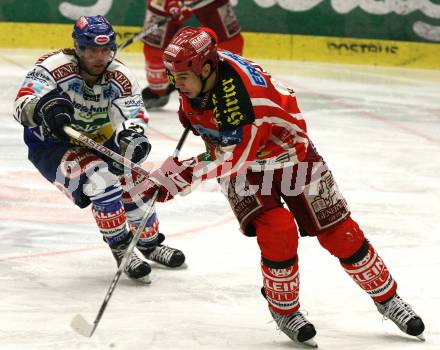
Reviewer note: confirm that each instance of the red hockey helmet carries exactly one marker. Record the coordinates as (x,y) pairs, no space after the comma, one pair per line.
(190,49)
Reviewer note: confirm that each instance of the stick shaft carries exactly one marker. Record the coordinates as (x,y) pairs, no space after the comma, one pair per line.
(149,30)
(105,151)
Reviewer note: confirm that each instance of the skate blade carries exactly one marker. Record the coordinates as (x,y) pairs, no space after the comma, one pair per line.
(421,337)
(143,280)
(310,343)
(81,326)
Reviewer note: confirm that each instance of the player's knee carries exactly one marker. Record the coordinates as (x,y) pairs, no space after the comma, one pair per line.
(343,240)
(358,255)
(277,234)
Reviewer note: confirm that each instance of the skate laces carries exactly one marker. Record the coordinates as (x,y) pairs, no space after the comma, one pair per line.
(396,309)
(162,254)
(133,262)
(291,322)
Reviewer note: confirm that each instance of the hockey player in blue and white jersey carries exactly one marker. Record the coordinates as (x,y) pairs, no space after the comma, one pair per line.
(88,89)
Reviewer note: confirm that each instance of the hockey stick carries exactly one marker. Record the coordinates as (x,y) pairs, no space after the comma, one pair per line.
(144,33)
(149,30)
(105,151)
(79,323)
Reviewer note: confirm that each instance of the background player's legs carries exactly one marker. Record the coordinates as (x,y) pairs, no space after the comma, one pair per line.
(89,176)
(220,16)
(157,93)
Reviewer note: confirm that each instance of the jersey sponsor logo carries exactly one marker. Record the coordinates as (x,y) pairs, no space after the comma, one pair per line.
(133,103)
(89,113)
(254,75)
(244,203)
(328,205)
(37,76)
(75,86)
(64,71)
(122,81)
(231,113)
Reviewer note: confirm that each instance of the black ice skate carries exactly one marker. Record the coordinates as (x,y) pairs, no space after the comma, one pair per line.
(296,327)
(136,268)
(403,316)
(153,100)
(163,254)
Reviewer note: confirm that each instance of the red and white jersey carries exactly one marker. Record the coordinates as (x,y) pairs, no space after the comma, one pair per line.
(247,120)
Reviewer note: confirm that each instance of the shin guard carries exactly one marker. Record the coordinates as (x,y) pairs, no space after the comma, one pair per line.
(104,191)
(150,234)
(112,224)
(369,271)
(281,285)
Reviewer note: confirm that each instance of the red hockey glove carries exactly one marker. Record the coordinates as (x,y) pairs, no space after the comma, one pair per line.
(177,11)
(171,178)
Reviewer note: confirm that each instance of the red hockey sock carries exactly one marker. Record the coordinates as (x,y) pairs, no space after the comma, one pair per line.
(281,286)
(369,271)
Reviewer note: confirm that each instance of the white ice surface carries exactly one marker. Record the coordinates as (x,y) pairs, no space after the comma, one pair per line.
(379,130)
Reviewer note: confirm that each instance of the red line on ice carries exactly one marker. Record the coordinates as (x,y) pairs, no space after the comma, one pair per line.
(223,220)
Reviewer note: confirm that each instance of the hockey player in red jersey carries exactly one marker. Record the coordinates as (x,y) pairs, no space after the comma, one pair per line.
(88,89)
(216,14)
(259,150)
